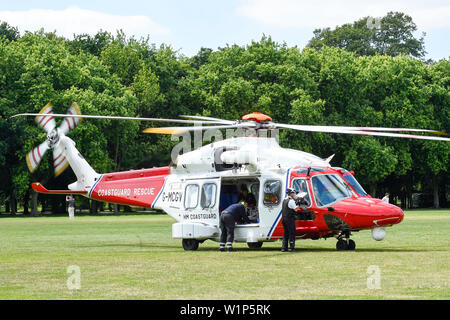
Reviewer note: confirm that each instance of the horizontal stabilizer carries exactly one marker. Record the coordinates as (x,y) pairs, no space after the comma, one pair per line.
(41,189)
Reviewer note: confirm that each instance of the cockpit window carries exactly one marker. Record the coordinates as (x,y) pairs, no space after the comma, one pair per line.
(329,189)
(355,185)
(300,185)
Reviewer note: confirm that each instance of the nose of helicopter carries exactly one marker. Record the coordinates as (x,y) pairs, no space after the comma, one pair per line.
(390,215)
(370,212)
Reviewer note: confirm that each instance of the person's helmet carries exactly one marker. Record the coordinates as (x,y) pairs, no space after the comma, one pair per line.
(289,191)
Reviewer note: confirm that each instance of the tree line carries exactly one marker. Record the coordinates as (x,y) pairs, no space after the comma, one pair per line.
(325,83)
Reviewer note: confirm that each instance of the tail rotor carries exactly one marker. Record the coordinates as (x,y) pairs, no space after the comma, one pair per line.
(70,123)
(35,156)
(46,121)
(60,162)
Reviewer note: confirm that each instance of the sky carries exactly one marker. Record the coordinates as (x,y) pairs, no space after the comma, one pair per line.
(189,25)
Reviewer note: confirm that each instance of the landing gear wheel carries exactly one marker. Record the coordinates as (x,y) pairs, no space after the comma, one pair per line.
(344,242)
(351,245)
(341,245)
(190,244)
(254,245)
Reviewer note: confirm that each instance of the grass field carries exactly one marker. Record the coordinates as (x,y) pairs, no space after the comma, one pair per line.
(134,257)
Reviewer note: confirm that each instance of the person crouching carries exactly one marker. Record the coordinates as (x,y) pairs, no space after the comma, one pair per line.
(233,214)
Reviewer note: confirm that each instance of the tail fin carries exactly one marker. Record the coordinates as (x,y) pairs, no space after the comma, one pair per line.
(86,175)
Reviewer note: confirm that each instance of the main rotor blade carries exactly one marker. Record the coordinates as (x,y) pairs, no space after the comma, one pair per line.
(178,130)
(355,131)
(397,130)
(208,119)
(121,118)
(391,129)
(345,128)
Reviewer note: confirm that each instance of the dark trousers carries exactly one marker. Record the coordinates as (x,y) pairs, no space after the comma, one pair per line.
(226,225)
(289,232)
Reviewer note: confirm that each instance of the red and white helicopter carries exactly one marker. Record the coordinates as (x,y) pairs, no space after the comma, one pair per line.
(200,183)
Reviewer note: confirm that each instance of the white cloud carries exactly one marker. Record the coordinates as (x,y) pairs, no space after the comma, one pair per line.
(74,20)
(330,13)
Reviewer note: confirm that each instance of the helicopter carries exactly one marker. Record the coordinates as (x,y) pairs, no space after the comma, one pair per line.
(199,184)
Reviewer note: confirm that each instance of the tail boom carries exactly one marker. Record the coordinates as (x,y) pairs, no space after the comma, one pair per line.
(140,188)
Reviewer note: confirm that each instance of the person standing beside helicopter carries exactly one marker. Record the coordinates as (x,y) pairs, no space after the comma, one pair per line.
(288,220)
(71,206)
(228,218)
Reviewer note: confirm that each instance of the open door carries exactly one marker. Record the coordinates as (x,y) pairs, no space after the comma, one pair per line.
(306,214)
(234,190)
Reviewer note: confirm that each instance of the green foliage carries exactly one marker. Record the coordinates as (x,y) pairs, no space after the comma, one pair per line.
(93,45)
(393,36)
(348,81)
(371,160)
(8,32)
(265,77)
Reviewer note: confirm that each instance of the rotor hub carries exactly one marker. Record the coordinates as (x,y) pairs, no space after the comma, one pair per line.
(257,117)
(53,137)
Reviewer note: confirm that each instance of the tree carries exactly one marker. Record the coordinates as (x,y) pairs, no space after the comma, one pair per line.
(124,56)
(432,162)
(8,32)
(39,68)
(371,161)
(91,44)
(396,36)
(263,76)
(393,36)
(201,57)
(128,77)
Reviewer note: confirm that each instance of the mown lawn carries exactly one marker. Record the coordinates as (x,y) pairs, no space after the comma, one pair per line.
(134,257)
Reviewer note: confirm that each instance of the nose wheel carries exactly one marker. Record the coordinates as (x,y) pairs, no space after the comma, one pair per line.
(344,242)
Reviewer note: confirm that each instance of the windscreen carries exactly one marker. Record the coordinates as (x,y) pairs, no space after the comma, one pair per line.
(355,185)
(329,189)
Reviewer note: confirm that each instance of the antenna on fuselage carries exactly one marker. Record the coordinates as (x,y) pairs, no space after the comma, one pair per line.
(327,160)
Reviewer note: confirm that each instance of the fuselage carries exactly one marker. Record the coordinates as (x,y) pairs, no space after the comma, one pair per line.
(205,181)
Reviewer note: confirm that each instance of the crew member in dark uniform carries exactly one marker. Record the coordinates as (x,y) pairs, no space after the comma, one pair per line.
(235,213)
(288,220)
(245,196)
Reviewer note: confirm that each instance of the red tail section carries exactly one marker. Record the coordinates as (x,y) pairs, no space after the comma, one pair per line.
(139,188)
